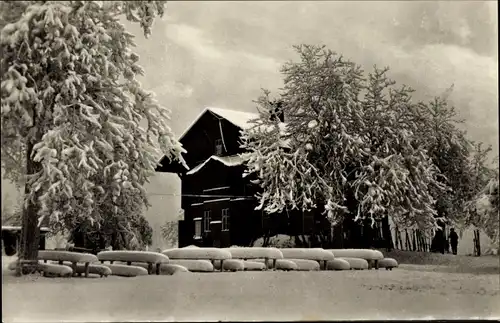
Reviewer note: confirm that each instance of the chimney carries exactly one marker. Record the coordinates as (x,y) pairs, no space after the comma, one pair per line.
(277,111)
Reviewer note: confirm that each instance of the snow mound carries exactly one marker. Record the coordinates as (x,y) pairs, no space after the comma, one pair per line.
(285,264)
(356,263)
(194,265)
(55,270)
(198,253)
(233,265)
(171,269)
(277,241)
(12,265)
(136,264)
(367,254)
(127,271)
(317,254)
(253,265)
(190,246)
(263,261)
(338,264)
(305,264)
(378,254)
(95,269)
(133,256)
(255,253)
(57,255)
(229,264)
(388,263)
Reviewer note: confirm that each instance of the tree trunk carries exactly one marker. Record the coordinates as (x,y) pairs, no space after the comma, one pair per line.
(30,232)
(386,233)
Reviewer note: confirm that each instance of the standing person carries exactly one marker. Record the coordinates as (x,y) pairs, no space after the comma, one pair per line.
(453,237)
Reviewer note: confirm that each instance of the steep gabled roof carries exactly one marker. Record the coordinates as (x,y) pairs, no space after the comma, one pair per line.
(238,118)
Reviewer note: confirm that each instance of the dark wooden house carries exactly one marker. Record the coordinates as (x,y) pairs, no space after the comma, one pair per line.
(219,204)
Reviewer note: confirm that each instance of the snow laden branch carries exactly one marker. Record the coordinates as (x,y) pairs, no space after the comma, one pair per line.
(69,88)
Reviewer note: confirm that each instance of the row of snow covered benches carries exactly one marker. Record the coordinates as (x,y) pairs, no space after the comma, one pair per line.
(303,259)
(194,259)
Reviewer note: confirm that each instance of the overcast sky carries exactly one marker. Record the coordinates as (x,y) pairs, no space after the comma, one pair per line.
(222,53)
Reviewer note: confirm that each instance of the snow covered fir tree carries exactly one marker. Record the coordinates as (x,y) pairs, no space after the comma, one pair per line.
(73,116)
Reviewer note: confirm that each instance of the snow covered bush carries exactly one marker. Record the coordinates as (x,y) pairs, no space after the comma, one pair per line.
(356,263)
(317,254)
(72,105)
(198,253)
(170,232)
(254,253)
(127,271)
(277,241)
(366,254)
(194,265)
(338,264)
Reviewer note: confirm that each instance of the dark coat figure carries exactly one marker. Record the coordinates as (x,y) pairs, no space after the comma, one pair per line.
(453,237)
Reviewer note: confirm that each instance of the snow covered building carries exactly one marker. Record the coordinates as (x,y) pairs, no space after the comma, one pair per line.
(218,203)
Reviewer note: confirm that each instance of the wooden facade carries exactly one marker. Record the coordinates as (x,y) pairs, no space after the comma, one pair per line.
(218,203)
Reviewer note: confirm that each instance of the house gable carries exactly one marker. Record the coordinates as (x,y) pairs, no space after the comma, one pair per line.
(208,134)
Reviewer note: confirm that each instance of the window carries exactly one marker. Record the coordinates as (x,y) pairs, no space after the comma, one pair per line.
(218,147)
(225,219)
(197,228)
(207,217)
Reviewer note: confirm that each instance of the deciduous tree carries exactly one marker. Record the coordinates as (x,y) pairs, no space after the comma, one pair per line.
(72,104)
(352,146)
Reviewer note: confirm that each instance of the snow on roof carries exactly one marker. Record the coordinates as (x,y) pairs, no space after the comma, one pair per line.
(234,160)
(238,118)
(215,222)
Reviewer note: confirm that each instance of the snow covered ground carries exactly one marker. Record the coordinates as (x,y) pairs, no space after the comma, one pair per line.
(411,291)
